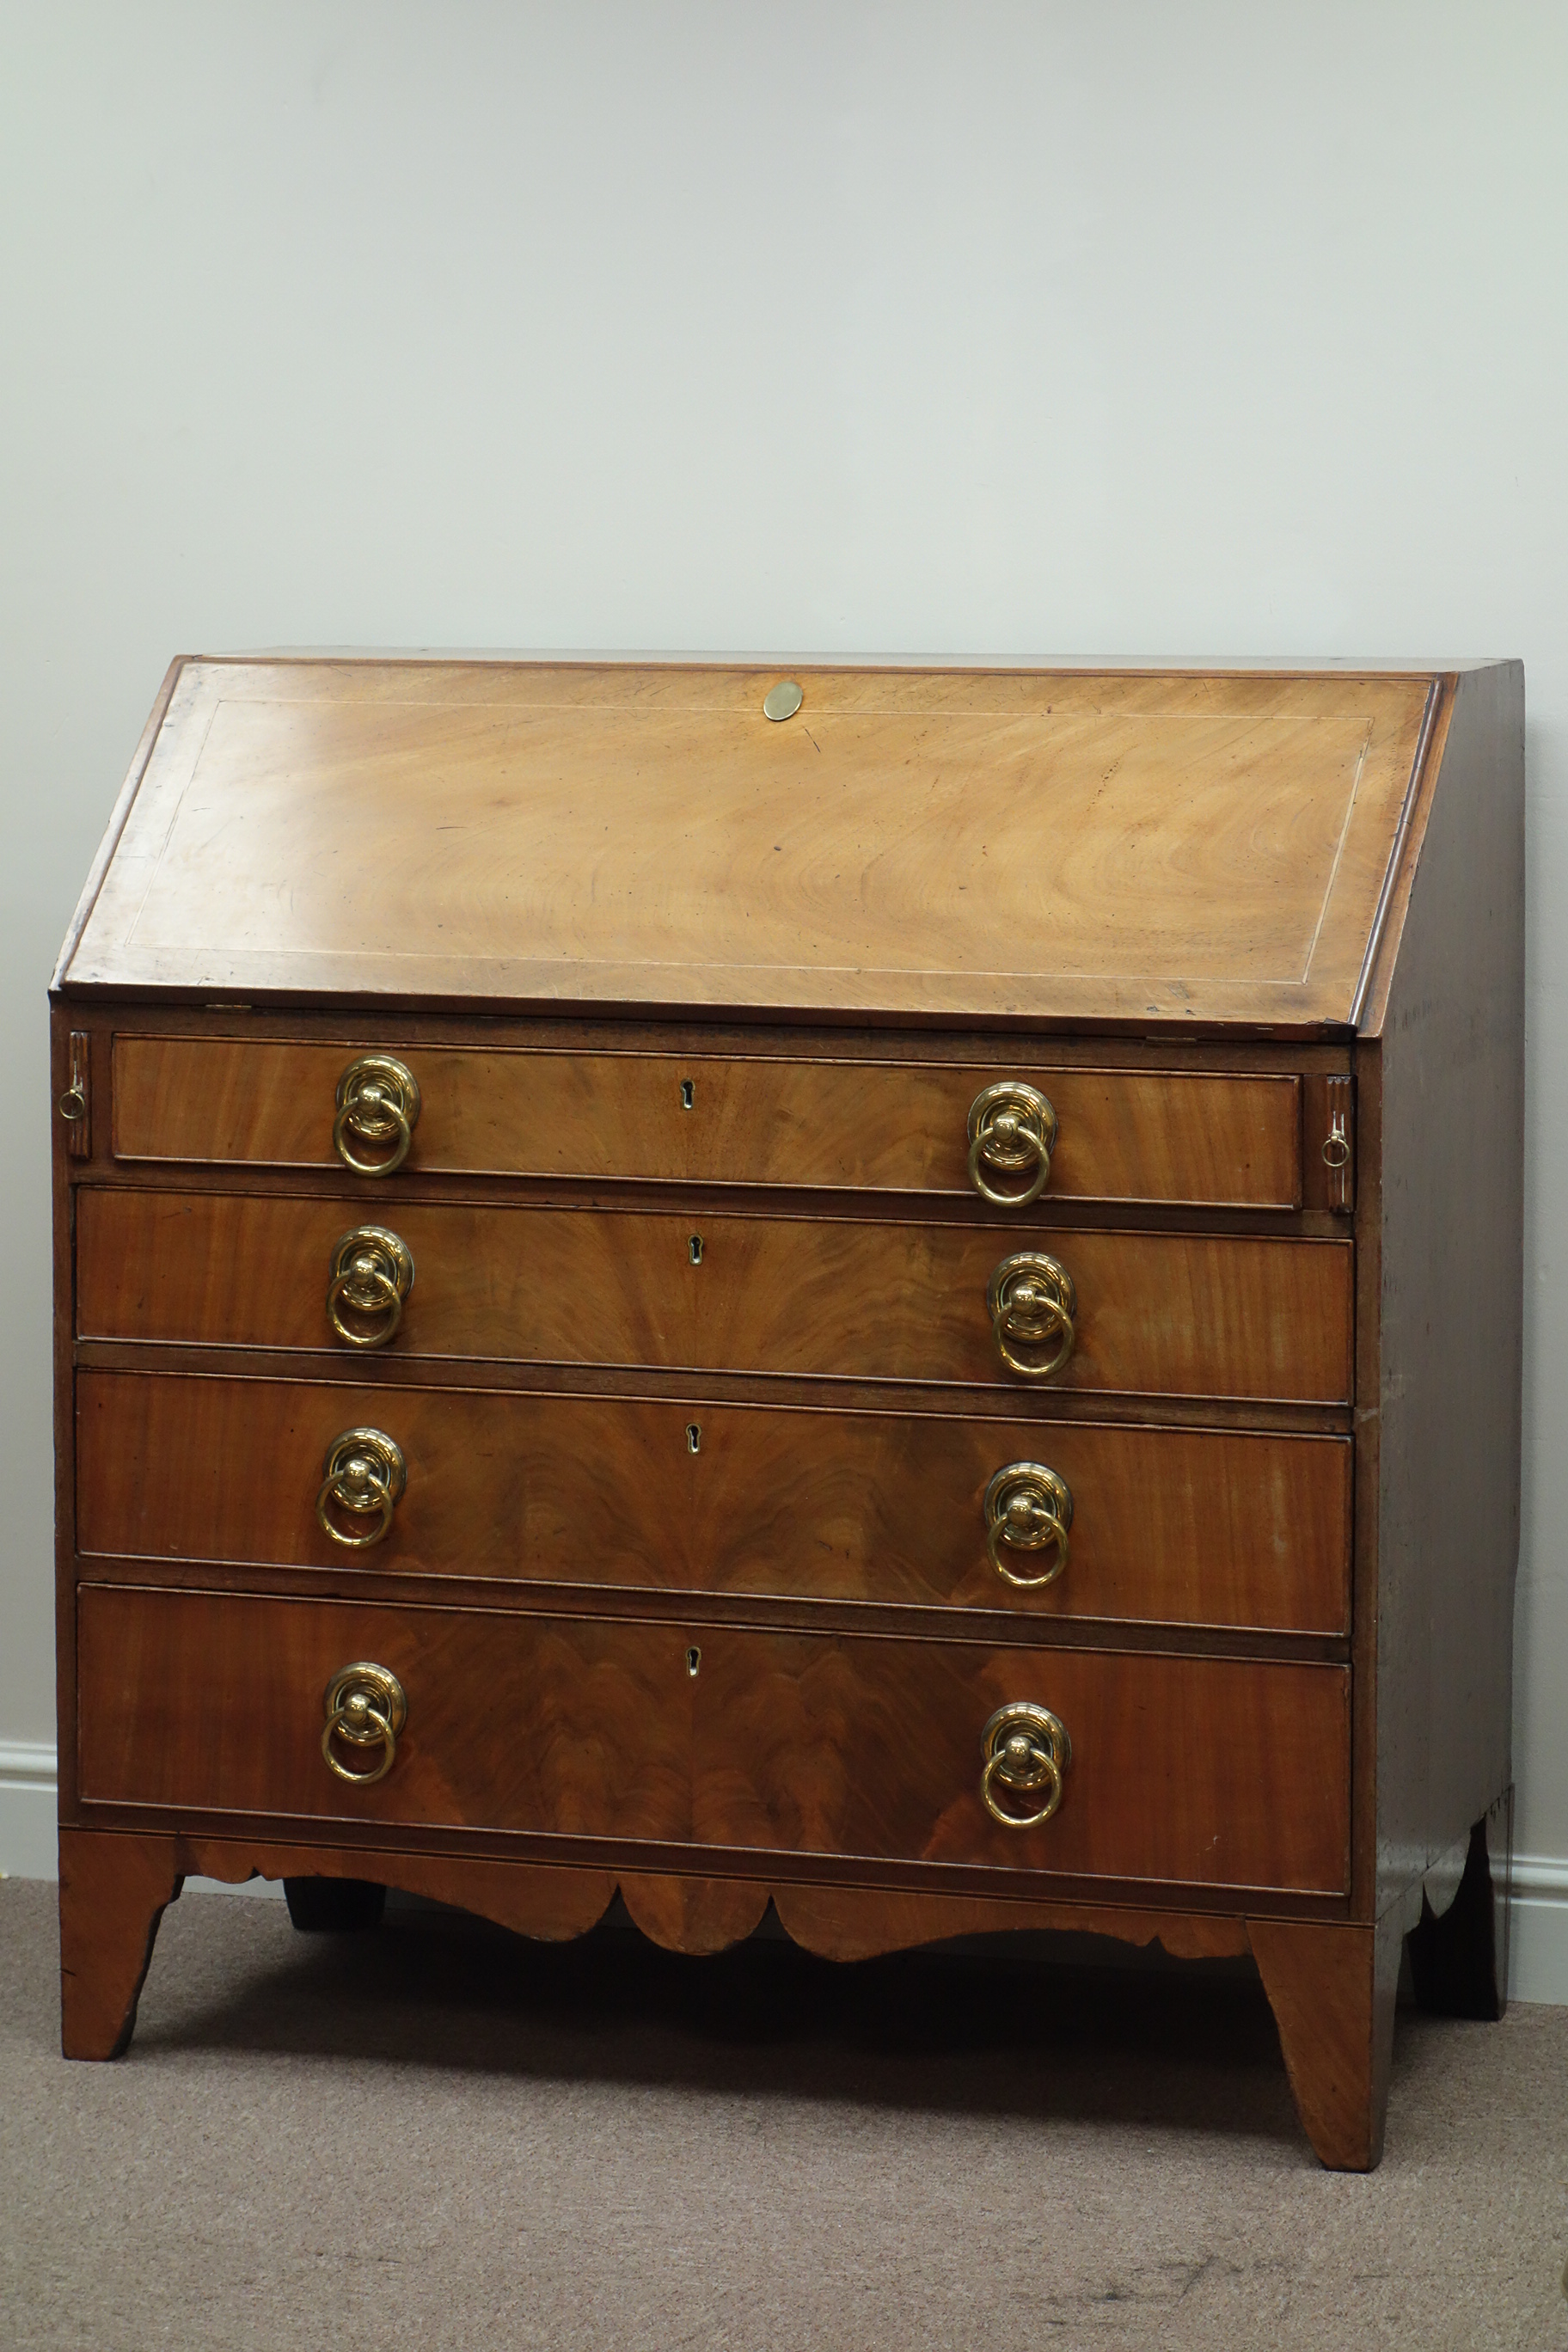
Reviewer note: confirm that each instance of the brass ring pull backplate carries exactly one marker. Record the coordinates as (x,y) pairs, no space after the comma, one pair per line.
(364,1474)
(1033,1308)
(1027,1750)
(370,1275)
(1012,1133)
(377,1103)
(365,1707)
(1027,1508)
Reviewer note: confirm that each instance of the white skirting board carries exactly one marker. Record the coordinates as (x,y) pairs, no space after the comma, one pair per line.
(1538,1929)
(27,1812)
(28,1809)
(1538,1949)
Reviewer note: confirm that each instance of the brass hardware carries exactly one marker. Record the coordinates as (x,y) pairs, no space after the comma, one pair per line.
(693,1659)
(364,1705)
(783,700)
(1032,1303)
(370,1275)
(1012,1131)
(365,1474)
(378,1101)
(1339,1098)
(1029,1508)
(1025,1749)
(72,1103)
(694,1437)
(695,1247)
(688,1094)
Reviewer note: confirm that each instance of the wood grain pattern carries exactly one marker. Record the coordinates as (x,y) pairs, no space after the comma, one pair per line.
(1450,1088)
(852,1923)
(547,1901)
(693,1915)
(116,1884)
(1173,1526)
(1213,879)
(351,1026)
(124,801)
(1200,1771)
(552,1903)
(1056,846)
(1332,1988)
(849,1125)
(1333,1993)
(63,1197)
(1192,1315)
(113,1891)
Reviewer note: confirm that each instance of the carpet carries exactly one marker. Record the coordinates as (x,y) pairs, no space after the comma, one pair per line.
(441,2137)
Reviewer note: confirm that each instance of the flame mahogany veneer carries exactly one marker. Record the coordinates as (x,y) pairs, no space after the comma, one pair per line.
(688,1368)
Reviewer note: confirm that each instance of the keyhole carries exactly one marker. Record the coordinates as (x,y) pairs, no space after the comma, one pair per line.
(693,1660)
(687,1091)
(695,1245)
(694,1437)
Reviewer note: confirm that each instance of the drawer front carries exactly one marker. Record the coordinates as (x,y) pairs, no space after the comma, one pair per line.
(1207,1772)
(1123,1135)
(1177,1526)
(1158,1314)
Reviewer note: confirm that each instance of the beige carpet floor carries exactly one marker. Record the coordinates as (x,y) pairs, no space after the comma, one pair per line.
(438,2136)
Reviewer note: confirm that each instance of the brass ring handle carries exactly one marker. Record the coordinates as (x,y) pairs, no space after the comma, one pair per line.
(1025,1749)
(1027,1508)
(364,1474)
(1012,1129)
(996,1768)
(363,1705)
(351,1723)
(1032,1303)
(369,1275)
(377,1102)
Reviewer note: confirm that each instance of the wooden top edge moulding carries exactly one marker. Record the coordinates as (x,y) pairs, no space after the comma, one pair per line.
(1127,847)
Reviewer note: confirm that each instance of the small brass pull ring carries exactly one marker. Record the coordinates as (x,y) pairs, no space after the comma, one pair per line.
(364,1705)
(369,1276)
(1032,1304)
(1013,1132)
(1025,1750)
(377,1102)
(365,1474)
(1027,1508)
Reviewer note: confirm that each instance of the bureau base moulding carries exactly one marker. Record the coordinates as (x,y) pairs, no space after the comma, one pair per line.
(1332,1986)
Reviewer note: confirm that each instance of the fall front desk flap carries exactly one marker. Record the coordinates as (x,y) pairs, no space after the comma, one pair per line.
(1054,846)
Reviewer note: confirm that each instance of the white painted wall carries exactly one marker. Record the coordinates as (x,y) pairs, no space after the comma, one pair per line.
(1008,331)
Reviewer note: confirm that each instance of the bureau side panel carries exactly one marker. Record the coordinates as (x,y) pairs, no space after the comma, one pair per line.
(1450,1064)
(64,1409)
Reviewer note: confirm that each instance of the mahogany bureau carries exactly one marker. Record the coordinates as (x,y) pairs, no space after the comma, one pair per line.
(892,1292)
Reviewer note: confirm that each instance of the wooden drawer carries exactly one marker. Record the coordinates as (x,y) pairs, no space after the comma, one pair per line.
(1158,1314)
(1178,1525)
(884,1126)
(1206,1771)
